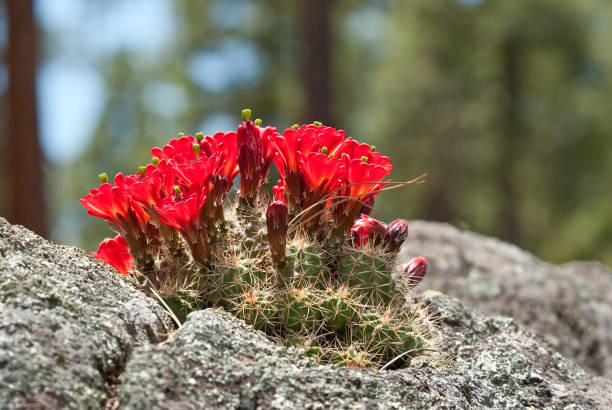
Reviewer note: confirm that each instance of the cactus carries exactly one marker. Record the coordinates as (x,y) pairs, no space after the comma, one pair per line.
(338,309)
(311,268)
(300,310)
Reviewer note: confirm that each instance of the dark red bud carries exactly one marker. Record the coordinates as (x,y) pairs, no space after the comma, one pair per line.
(415,270)
(365,229)
(396,235)
(277,222)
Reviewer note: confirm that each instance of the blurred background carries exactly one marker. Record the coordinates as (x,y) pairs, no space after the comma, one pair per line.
(507,105)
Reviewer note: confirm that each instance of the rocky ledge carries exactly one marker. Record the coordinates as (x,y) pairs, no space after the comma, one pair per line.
(74,334)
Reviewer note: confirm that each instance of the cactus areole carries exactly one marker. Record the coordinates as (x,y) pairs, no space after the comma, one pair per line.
(305,263)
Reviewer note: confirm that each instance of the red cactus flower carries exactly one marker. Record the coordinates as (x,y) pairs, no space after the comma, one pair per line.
(197,174)
(116,252)
(183,212)
(255,154)
(116,206)
(151,189)
(277,222)
(321,175)
(362,181)
(355,150)
(415,270)
(367,228)
(295,145)
(396,235)
(226,146)
(177,146)
(300,156)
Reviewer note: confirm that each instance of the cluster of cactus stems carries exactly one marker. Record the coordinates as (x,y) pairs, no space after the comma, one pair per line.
(308,266)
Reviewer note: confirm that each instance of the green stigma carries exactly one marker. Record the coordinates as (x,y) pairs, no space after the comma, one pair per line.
(364,158)
(142,169)
(323,150)
(317,123)
(246,114)
(181,134)
(373,148)
(155,161)
(295,126)
(177,189)
(199,136)
(258,122)
(103,178)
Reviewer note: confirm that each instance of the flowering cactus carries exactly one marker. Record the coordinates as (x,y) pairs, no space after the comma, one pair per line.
(310,267)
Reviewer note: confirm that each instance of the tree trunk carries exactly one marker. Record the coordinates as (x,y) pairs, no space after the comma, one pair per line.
(315,19)
(26,202)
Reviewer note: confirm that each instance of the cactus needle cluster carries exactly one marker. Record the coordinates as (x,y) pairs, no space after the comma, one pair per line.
(307,264)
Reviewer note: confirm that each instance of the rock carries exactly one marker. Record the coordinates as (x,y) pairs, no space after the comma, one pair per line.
(75,334)
(217,361)
(67,324)
(569,305)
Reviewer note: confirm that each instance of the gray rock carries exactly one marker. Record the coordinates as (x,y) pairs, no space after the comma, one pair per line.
(75,334)
(569,305)
(67,324)
(216,361)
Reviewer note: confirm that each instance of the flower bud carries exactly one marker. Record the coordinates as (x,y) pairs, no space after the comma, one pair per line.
(365,229)
(415,270)
(277,222)
(396,235)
